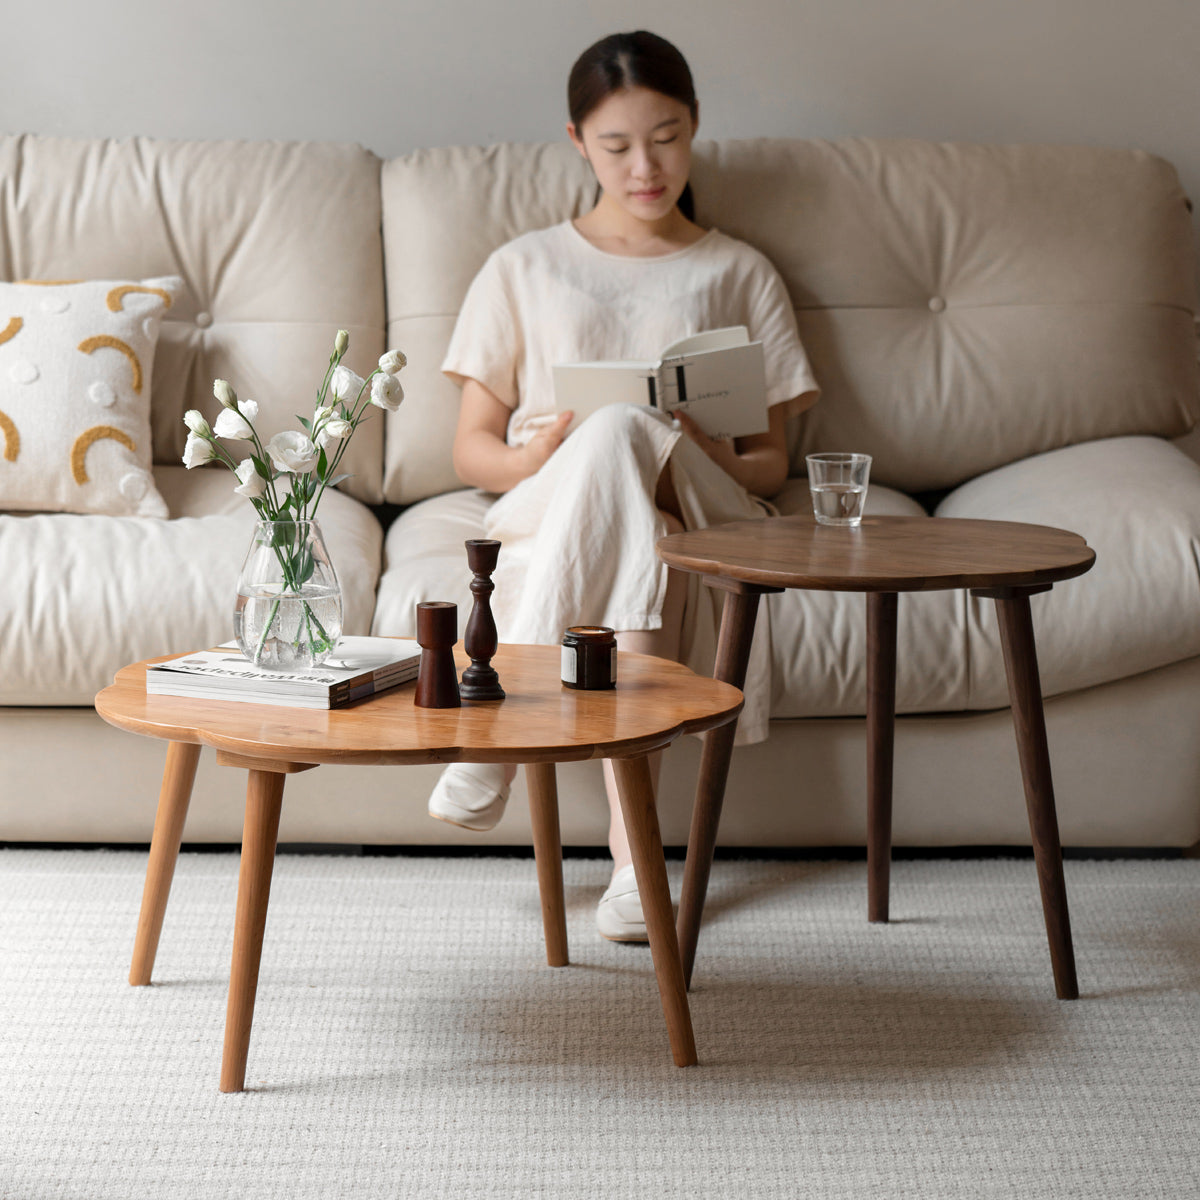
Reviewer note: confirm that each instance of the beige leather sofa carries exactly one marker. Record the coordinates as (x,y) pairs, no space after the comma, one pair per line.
(1008,330)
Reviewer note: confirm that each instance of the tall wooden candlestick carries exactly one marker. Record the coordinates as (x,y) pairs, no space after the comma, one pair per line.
(437,631)
(480,681)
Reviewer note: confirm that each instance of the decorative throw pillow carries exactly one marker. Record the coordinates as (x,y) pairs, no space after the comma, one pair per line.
(75,365)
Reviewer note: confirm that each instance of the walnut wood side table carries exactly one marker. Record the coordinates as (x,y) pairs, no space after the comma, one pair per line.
(539,724)
(1002,560)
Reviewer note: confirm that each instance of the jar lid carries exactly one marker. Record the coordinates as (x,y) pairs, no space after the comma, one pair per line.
(590,633)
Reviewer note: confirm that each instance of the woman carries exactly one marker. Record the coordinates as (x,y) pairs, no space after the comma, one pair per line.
(579,515)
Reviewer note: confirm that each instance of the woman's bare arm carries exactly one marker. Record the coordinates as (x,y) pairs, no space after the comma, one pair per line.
(759,462)
(482,457)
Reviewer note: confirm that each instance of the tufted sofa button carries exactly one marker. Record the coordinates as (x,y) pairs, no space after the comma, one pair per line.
(937,304)
(203,319)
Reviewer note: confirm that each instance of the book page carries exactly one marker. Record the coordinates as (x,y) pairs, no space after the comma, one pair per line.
(727,395)
(714,339)
(724,391)
(585,388)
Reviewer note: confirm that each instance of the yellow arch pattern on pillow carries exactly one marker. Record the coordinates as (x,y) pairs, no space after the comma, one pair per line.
(105,341)
(11,330)
(84,441)
(116,298)
(12,439)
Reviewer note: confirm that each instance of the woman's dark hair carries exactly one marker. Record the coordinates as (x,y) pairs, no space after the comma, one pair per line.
(628,60)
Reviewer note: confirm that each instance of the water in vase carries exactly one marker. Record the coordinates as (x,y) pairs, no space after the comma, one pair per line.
(288,631)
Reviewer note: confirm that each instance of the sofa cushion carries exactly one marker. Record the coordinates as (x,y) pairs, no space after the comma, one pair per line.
(1137,502)
(819,639)
(963,306)
(75,365)
(278,244)
(69,620)
(424,559)
(444,212)
(967,306)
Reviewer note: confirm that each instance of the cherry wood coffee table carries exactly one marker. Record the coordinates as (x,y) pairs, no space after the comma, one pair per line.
(540,723)
(1002,560)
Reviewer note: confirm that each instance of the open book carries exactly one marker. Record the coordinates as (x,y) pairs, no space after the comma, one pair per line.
(717,378)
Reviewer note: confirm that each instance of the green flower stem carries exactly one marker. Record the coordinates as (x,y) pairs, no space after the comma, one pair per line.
(262,640)
(285,558)
(261,454)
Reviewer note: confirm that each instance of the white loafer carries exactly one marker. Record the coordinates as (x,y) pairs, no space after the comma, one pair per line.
(470,795)
(619,914)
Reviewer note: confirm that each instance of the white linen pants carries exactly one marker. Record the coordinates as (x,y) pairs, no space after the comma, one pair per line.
(578,543)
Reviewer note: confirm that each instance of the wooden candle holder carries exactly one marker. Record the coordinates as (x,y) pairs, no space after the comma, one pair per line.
(479,680)
(437,631)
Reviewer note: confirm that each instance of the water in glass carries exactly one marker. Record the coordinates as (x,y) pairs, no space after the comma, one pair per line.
(838,503)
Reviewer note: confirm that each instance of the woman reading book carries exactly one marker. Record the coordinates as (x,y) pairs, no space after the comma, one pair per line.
(579,516)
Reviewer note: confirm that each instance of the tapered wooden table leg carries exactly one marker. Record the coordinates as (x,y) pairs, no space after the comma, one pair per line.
(1025,691)
(738,616)
(636,792)
(178,776)
(264,801)
(881,731)
(547,851)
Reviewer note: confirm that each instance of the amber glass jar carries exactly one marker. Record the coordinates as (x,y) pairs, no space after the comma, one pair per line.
(589,657)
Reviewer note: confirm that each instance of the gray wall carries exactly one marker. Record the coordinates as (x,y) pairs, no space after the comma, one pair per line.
(398,75)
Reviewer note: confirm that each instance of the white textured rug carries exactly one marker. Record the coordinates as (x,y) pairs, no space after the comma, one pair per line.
(409,1040)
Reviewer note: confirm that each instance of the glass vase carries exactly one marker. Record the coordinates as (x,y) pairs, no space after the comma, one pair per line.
(288,614)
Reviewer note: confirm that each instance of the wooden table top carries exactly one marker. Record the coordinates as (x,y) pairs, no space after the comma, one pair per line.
(654,702)
(884,554)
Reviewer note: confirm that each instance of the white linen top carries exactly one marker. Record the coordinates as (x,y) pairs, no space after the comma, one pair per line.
(552,297)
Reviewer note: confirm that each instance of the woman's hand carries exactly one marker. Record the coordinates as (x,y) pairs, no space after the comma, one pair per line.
(538,449)
(482,456)
(758,462)
(720,450)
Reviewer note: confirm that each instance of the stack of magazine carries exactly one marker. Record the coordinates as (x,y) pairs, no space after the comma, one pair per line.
(359,667)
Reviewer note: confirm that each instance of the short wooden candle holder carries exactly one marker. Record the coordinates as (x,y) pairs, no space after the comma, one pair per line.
(437,679)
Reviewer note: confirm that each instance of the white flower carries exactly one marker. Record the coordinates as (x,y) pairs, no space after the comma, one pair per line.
(292,451)
(224,393)
(322,412)
(253,484)
(393,362)
(344,384)
(197,450)
(333,430)
(341,342)
(196,423)
(234,423)
(386,392)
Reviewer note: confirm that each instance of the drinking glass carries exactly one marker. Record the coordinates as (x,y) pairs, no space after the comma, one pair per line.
(838,483)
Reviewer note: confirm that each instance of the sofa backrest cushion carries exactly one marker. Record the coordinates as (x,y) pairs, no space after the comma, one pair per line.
(444,212)
(278,245)
(964,306)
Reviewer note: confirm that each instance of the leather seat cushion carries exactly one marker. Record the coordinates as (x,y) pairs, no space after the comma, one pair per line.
(424,559)
(68,621)
(1135,500)
(819,639)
